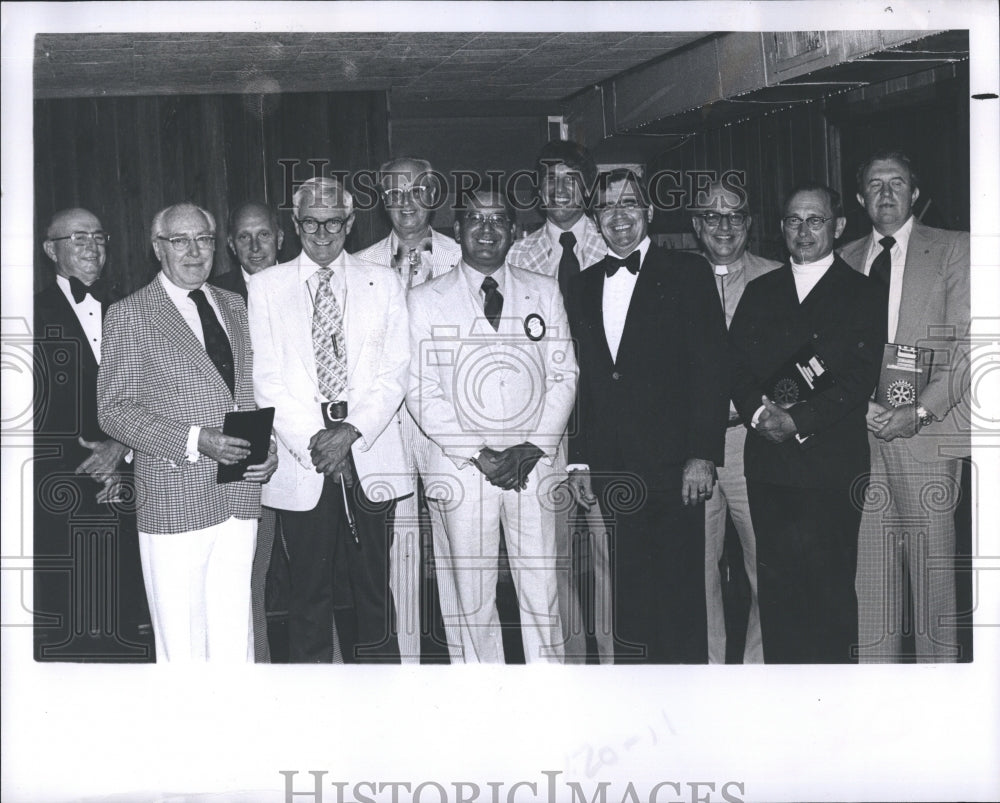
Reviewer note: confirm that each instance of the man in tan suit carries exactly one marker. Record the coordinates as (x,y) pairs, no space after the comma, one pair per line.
(915,447)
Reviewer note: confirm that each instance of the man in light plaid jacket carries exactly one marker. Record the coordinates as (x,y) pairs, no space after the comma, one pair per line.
(175,358)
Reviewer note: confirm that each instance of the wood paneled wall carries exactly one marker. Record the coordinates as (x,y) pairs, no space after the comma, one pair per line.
(125,158)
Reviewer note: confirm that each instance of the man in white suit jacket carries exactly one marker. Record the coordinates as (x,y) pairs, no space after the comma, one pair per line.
(915,448)
(416,253)
(361,457)
(492,383)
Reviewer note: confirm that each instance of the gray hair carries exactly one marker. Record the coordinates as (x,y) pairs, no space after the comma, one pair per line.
(159,217)
(323,188)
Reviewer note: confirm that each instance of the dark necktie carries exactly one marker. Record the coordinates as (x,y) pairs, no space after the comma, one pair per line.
(613,263)
(216,342)
(493,305)
(569,265)
(80,290)
(882,264)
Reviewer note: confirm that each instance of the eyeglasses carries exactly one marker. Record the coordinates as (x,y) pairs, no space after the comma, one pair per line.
(331,225)
(496,221)
(417,193)
(814,223)
(713,219)
(180,244)
(81,238)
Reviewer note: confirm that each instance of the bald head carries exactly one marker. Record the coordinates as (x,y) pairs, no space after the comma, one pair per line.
(70,242)
(254,236)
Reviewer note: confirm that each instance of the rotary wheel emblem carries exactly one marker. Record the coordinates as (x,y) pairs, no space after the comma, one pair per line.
(900,392)
(786,391)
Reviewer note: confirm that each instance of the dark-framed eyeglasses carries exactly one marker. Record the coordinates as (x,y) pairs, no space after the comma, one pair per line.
(182,243)
(310,225)
(419,193)
(82,238)
(814,223)
(497,221)
(736,219)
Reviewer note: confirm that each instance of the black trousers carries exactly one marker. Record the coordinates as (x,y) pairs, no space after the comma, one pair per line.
(657,550)
(327,567)
(807,557)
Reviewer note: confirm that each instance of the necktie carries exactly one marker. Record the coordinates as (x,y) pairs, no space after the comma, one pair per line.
(882,264)
(493,304)
(613,263)
(81,290)
(328,340)
(216,342)
(569,265)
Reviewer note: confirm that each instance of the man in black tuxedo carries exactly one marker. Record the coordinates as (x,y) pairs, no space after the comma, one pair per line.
(650,425)
(255,237)
(806,462)
(82,481)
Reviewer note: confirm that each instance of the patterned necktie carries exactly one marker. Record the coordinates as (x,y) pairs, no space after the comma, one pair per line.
(493,305)
(328,340)
(216,343)
(882,264)
(569,265)
(613,263)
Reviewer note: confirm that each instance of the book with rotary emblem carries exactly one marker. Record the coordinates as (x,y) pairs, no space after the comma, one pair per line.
(800,377)
(904,375)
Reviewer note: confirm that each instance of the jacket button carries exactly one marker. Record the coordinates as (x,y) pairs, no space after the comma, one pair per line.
(616,375)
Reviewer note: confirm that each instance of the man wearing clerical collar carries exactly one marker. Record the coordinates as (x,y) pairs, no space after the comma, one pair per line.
(806,460)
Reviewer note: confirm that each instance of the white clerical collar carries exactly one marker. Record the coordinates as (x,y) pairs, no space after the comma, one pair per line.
(809,267)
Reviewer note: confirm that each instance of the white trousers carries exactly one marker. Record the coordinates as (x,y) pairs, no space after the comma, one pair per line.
(466,546)
(198,588)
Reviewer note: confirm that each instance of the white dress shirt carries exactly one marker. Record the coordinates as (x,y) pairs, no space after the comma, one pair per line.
(475,281)
(898,255)
(189,312)
(618,291)
(88,313)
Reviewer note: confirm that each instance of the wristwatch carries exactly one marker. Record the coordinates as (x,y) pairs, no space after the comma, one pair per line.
(924,416)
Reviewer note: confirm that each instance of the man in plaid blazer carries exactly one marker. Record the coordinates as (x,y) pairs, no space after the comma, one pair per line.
(175,359)
(417,253)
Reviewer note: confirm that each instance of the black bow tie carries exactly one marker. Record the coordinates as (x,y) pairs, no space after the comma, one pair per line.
(630,263)
(80,290)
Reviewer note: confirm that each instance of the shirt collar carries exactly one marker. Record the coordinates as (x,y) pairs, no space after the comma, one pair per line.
(727,270)
(642,248)
(179,294)
(394,241)
(579,230)
(825,262)
(308,268)
(902,235)
(475,279)
(246,275)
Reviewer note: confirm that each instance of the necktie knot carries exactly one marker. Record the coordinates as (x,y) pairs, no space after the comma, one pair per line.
(489,284)
(882,264)
(567,239)
(613,263)
(887,243)
(80,290)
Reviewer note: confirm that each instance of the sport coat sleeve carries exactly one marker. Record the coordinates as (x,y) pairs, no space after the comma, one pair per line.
(950,358)
(706,351)
(561,374)
(374,406)
(431,407)
(295,414)
(122,382)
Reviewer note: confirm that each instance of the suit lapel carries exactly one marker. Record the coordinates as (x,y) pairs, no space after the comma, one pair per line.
(176,331)
(647,298)
(236,341)
(356,315)
(918,281)
(592,300)
(63,312)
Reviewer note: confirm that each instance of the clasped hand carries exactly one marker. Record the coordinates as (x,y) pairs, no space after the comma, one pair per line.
(886,424)
(510,468)
(330,450)
(774,423)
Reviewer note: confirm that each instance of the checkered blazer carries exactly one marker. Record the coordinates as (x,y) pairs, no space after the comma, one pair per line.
(537,254)
(445,253)
(156,381)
